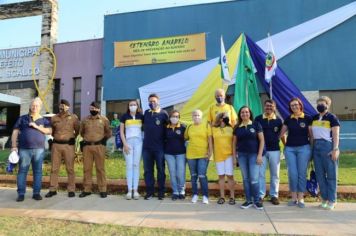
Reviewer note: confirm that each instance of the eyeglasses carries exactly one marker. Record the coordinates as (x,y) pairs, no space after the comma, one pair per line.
(294,105)
(174,116)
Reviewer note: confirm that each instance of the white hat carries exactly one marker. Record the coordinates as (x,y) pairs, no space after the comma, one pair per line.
(14,157)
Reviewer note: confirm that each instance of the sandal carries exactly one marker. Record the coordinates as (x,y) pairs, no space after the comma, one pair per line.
(221,201)
(232,201)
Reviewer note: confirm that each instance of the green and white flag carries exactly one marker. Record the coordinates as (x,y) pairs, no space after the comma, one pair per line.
(225,75)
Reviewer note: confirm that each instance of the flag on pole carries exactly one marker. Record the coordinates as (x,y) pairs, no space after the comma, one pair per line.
(271,61)
(246,91)
(225,75)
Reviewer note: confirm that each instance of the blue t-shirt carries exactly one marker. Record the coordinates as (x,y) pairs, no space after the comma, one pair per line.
(30,137)
(271,130)
(298,130)
(175,143)
(247,138)
(154,125)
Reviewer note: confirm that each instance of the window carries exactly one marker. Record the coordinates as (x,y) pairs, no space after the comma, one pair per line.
(343,103)
(56,92)
(98,88)
(77,91)
(17,85)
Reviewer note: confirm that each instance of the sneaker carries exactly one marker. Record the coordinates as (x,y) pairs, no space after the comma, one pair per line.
(330,206)
(20,198)
(175,197)
(259,205)
(37,197)
(160,196)
(129,195)
(71,194)
(148,196)
(292,203)
(181,196)
(246,205)
(136,195)
(324,204)
(301,204)
(274,201)
(205,200)
(103,194)
(194,198)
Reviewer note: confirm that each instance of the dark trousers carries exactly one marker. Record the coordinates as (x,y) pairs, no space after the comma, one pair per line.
(150,157)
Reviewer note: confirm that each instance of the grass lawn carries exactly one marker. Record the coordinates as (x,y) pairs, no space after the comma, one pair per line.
(18,226)
(115,169)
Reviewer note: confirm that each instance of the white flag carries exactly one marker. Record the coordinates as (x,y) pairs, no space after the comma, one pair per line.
(271,61)
(225,75)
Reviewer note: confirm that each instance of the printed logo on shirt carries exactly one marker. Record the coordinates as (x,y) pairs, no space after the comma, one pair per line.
(302,124)
(252,130)
(69,117)
(158,122)
(276,129)
(178,132)
(100,121)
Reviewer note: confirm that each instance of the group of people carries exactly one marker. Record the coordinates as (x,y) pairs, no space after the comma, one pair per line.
(225,137)
(29,136)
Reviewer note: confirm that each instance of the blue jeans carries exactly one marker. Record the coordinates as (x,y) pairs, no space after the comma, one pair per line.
(198,168)
(297,163)
(150,157)
(27,157)
(250,175)
(325,169)
(273,158)
(176,167)
(133,159)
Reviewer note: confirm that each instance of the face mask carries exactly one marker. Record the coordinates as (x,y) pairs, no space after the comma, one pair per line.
(174,120)
(94,113)
(226,120)
(152,106)
(219,99)
(133,108)
(321,108)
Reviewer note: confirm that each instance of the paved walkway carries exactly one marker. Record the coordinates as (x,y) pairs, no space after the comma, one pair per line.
(185,215)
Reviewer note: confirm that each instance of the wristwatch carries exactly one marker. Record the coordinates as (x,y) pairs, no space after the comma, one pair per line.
(336,149)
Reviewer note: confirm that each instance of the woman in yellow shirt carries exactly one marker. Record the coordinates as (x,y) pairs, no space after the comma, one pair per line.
(222,133)
(199,149)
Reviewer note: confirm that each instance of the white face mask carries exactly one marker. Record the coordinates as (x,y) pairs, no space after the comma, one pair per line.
(133,108)
(174,120)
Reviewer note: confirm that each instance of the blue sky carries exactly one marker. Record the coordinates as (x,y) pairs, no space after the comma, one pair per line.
(78,19)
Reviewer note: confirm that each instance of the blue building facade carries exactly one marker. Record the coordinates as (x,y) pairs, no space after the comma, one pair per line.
(325,64)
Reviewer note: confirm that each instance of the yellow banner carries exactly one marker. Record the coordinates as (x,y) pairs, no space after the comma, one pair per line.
(160,50)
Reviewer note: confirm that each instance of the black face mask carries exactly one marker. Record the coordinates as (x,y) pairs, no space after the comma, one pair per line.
(321,108)
(94,113)
(226,120)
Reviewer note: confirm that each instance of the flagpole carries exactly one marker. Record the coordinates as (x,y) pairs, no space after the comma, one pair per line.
(270,88)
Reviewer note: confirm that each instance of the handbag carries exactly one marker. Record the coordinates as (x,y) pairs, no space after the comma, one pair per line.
(312,183)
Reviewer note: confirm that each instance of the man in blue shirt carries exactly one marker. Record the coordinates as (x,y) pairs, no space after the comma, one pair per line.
(271,125)
(31,130)
(154,123)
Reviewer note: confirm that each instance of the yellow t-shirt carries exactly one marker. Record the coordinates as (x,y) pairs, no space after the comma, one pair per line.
(197,137)
(227,108)
(222,140)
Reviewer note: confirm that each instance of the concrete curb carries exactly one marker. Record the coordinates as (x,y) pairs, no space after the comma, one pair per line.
(119,186)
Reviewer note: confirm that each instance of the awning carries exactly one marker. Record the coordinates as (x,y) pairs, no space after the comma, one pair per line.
(9,101)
